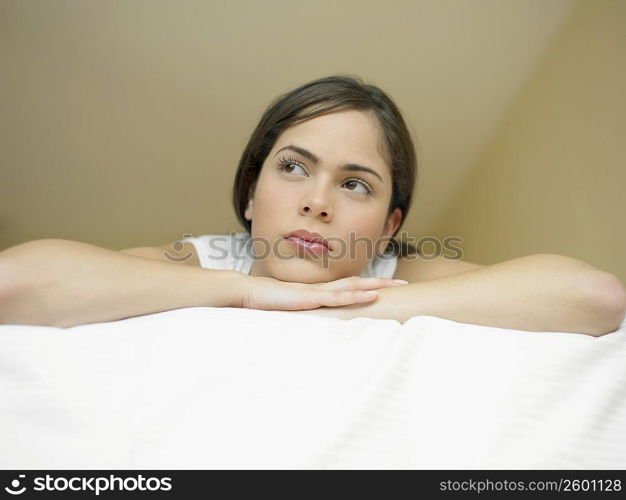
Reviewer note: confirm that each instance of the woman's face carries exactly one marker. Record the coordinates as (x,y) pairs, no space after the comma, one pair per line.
(347,207)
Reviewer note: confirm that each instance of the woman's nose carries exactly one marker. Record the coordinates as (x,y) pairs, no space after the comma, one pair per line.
(317,204)
(307,210)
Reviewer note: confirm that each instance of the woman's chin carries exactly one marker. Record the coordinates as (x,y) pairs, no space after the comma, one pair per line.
(300,270)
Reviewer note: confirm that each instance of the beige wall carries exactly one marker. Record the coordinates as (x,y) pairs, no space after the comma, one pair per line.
(123,122)
(554,178)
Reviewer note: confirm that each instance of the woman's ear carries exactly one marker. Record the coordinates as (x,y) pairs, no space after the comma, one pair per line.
(391,226)
(250,207)
(249,210)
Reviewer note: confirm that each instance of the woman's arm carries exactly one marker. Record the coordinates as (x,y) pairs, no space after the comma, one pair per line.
(64,283)
(542,292)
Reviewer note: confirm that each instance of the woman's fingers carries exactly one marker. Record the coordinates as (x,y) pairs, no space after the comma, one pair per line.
(355,290)
(269,293)
(346,297)
(358,283)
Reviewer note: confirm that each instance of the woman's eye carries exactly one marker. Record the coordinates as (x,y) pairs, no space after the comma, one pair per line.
(357,182)
(289,167)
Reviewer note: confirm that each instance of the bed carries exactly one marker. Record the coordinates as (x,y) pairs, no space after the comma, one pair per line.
(227,388)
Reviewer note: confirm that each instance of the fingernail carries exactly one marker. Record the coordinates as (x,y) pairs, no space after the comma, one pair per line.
(370,292)
(401,282)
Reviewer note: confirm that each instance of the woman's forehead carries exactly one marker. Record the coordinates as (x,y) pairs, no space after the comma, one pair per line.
(362,121)
(352,135)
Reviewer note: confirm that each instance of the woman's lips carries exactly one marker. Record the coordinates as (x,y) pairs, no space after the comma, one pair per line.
(317,248)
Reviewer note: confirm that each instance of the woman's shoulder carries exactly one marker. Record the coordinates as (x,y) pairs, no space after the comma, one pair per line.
(218,240)
(381,267)
(227,251)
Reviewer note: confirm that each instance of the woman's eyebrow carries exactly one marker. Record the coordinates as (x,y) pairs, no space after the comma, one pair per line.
(352,167)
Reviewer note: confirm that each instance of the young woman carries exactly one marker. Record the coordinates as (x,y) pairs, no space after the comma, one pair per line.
(322,188)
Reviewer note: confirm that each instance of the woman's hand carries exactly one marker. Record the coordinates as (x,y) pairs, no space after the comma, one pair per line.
(272,294)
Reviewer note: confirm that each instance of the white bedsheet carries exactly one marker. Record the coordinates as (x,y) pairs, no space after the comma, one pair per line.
(222,388)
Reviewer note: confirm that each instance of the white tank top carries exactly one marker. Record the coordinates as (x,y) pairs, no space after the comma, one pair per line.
(233,252)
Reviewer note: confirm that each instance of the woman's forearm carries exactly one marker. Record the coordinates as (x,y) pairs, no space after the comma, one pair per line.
(66,283)
(535,293)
